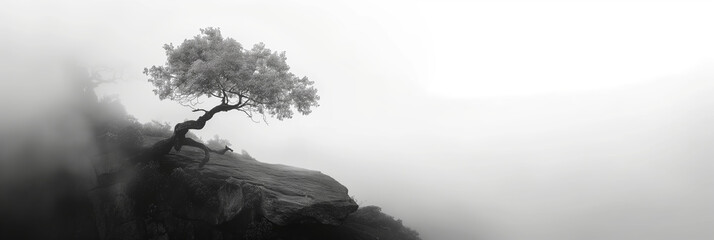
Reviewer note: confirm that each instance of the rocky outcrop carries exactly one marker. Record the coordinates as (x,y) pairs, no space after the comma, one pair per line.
(232,197)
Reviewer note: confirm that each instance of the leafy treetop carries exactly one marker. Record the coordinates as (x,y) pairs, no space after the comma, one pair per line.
(253,80)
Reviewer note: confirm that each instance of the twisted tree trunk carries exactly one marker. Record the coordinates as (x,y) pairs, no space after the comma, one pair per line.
(179,139)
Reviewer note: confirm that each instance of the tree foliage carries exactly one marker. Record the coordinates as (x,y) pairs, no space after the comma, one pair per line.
(255,80)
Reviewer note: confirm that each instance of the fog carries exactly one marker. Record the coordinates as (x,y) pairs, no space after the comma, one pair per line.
(486,120)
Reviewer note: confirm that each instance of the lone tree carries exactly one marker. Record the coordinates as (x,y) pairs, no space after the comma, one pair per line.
(254,81)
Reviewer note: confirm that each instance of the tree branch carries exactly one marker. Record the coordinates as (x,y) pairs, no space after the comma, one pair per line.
(245,96)
(240,103)
(225,97)
(265,120)
(250,115)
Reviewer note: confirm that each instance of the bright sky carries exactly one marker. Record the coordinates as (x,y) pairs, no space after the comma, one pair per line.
(506,48)
(492,119)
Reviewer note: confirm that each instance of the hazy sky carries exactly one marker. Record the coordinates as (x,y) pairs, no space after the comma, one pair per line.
(468,120)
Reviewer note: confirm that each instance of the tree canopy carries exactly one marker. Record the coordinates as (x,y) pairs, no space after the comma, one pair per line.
(255,80)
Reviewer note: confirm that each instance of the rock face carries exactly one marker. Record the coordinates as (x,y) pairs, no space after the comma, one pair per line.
(232,197)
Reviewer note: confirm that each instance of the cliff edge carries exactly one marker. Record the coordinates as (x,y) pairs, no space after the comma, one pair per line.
(232,197)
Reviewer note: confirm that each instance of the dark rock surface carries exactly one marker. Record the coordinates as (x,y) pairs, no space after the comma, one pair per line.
(232,197)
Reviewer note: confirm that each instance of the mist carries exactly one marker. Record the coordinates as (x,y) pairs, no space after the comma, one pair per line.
(479,120)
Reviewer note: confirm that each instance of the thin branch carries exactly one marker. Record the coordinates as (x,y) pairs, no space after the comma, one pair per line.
(250,115)
(199,109)
(240,103)
(184,104)
(219,81)
(249,98)
(249,103)
(187,101)
(265,120)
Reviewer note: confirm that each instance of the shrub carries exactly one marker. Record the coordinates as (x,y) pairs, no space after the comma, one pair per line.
(164,130)
(130,138)
(217,143)
(156,129)
(246,154)
(373,216)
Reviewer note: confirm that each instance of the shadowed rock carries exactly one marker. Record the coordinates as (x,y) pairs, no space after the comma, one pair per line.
(228,197)
(284,194)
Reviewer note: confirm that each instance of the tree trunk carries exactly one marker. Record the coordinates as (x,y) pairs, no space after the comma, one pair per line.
(179,139)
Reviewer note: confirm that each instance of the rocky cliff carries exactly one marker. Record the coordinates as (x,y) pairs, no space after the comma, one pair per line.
(232,197)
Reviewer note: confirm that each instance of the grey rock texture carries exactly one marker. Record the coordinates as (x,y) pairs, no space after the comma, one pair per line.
(232,197)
